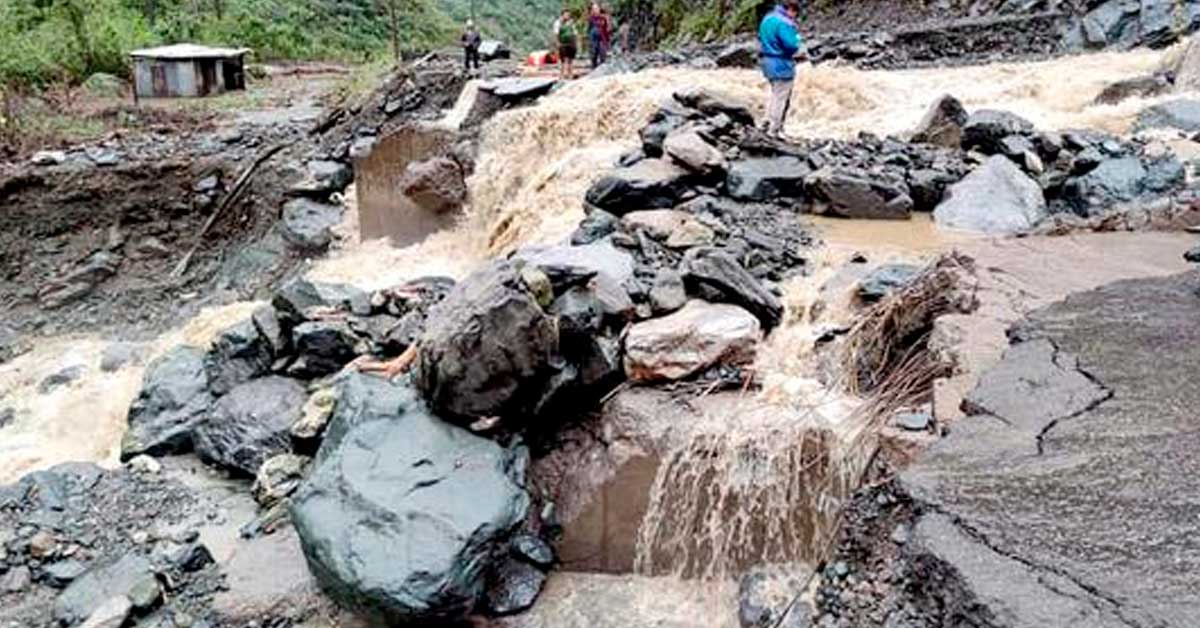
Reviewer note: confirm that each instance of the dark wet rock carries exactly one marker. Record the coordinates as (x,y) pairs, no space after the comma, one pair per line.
(278,478)
(653,135)
(251,424)
(7,416)
(1183,115)
(323,348)
(1139,87)
(1193,255)
(767,178)
(130,576)
(393,482)
(272,331)
(323,178)
(942,124)
(487,347)
(188,557)
(492,49)
(1120,180)
(927,187)
(308,225)
(885,280)
(995,198)
(668,293)
(65,377)
(598,225)
(300,300)
(697,337)
(436,185)
(857,194)
(578,312)
(533,550)
(518,90)
(714,274)
(712,104)
(63,572)
(986,128)
(738,55)
(514,589)
(648,184)
(174,398)
(238,355)
(113,613)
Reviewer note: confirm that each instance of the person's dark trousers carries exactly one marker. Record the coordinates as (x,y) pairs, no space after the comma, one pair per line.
(471,57)
(597,51)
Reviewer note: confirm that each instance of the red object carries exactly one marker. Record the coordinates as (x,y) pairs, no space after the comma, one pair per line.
(541,58)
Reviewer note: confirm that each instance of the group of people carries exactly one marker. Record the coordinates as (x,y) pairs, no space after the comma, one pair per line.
(599,33)
(780,47)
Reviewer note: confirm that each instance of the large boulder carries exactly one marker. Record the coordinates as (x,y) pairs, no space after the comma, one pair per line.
(300,299)
(648,184)
(308,225)
(323,348)
(130,576)
(696,337)
(942,124)
(713,104)
(492,49)
(1187,72)
(322,178)
(567,266)
(1183,115)
(173,400)
(767,178)
(487,348)
(251,424)
(690,150)
(738,55)
(857,194)
(1137,87)
(436,185)
(996,198)
(986,128)
(1120,180)
(715,276)
(240,354)
(404,515)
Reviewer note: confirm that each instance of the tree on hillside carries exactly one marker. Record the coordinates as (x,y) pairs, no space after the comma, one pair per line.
(398,13)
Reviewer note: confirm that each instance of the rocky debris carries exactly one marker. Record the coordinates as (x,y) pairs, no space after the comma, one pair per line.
(60,574)
(996,198)
(1182,114)
(81,281)
(174,398)
(1067,390)
(1193,255)
(767,178)
(648,184)
(62,378)
(1123,25)
(16,580)
(514,588)
(111,614)
(857,194)
(360,513)
(885,280)
(131,577)
(308,224)
(1121,180)
(323,348)
(487,348)
(696,337)
(250,424)
(1138,87)
(738,55)
(943,123)
(300,300)
(322,178)
(437,185)
(314,417)
(278,478)
(238,355)
(986,129)
(768,597)
(715,276)
(668,293)
(598,225)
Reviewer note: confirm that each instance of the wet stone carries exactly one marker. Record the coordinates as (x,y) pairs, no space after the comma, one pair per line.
(62,378)
(62,573)
(517,586)
(16,580)
(914,421)
(533,550)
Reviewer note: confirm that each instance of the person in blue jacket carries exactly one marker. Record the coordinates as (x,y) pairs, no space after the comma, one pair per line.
(779,40)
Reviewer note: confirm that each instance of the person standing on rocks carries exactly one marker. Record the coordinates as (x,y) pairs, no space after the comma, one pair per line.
(471,40)
(599,34)
(779,40)
(567,37)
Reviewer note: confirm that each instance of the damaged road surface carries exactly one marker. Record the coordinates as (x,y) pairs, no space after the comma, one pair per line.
(1071,494)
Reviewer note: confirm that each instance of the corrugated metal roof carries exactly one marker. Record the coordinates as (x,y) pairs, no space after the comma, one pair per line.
(188,51)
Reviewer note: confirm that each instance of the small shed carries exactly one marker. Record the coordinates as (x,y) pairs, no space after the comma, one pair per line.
(187,71)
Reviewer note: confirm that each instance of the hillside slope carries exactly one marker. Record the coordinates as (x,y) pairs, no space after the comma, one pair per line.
(523,24)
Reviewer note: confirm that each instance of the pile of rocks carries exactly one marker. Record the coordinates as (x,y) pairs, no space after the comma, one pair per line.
(700,152)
